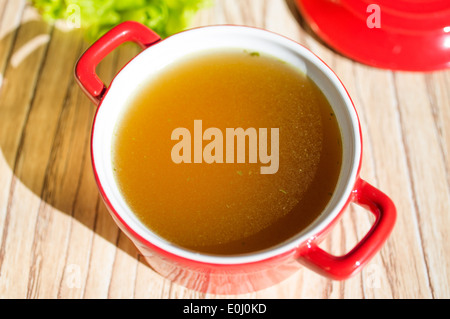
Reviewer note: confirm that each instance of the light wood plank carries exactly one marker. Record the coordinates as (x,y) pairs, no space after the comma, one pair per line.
(386,142)
(57,240)
(20,209)
(10,19)
(427,167)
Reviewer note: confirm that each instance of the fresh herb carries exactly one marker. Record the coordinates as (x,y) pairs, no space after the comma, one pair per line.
(252,53)
(165,17)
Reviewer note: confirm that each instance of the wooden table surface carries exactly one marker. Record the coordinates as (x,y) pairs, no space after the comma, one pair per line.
(57,239)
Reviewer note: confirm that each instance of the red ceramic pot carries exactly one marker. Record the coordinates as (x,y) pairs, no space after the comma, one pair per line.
(253,271)
(407,35)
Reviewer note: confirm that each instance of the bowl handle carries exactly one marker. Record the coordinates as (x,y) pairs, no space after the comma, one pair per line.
(343,267)
(85,68)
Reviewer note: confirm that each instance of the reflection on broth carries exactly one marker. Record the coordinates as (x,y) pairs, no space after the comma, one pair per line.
(227,206)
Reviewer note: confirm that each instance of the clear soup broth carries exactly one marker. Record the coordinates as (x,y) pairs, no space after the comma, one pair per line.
(192,182)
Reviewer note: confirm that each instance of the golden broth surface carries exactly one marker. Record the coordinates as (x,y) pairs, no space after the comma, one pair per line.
(228,208)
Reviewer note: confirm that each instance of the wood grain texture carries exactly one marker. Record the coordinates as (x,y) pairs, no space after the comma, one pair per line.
(57,239)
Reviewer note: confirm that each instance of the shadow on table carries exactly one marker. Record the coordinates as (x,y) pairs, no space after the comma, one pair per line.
(45,125)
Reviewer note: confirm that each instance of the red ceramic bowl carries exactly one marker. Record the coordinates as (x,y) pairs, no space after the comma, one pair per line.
(238,273)
(408,35)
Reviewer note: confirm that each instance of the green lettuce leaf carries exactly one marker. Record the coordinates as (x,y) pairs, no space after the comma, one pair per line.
(165,17)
